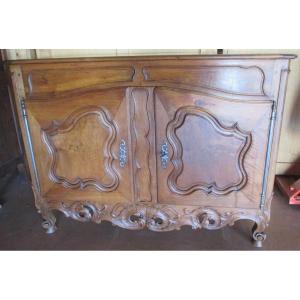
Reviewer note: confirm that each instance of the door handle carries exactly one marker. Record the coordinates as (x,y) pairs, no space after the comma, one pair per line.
(164,155)
(122,153)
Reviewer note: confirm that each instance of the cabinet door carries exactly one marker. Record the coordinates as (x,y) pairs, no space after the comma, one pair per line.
(211,150)
(80,144)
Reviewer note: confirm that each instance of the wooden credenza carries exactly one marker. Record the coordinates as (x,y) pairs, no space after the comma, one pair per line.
(156,142)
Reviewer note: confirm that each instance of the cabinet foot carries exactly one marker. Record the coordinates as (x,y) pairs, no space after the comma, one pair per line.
(47,214)
(49,222)
(258,235)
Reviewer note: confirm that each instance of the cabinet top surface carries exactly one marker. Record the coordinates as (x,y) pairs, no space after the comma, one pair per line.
(158,57)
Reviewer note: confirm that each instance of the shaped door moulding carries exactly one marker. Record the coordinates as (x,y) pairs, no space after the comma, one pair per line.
(176,159)
(66,126)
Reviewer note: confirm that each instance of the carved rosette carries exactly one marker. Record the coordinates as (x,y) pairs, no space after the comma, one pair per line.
(66,126)
(230,132)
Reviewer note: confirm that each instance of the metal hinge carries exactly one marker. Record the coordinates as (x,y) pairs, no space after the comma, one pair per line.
(23,108)
(268,156)
(29,143)
(274,111)
(262,200)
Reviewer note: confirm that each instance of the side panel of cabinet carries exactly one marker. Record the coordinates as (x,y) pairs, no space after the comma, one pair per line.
(80,144)
(212,150)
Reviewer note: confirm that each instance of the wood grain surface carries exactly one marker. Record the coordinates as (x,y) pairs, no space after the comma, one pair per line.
(98,126)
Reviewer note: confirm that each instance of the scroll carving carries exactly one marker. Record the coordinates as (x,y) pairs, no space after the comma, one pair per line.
(128,216)
(49,223)
(84,211)
(160,217)
(141,143)
(209,187)
(258,230)
(66,126)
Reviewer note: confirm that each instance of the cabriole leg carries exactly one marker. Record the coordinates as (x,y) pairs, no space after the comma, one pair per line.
(49,221)
(49,218)
(258,234)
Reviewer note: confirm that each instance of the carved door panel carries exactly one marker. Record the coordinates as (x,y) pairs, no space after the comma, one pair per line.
(81,145)
(211,150)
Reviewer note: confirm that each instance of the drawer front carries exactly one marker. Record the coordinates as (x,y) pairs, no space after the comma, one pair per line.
(63,79)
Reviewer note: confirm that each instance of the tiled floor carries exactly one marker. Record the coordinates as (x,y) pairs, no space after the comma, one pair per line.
(20,229)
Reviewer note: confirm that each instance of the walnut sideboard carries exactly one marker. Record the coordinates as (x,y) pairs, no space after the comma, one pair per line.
(153,142)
